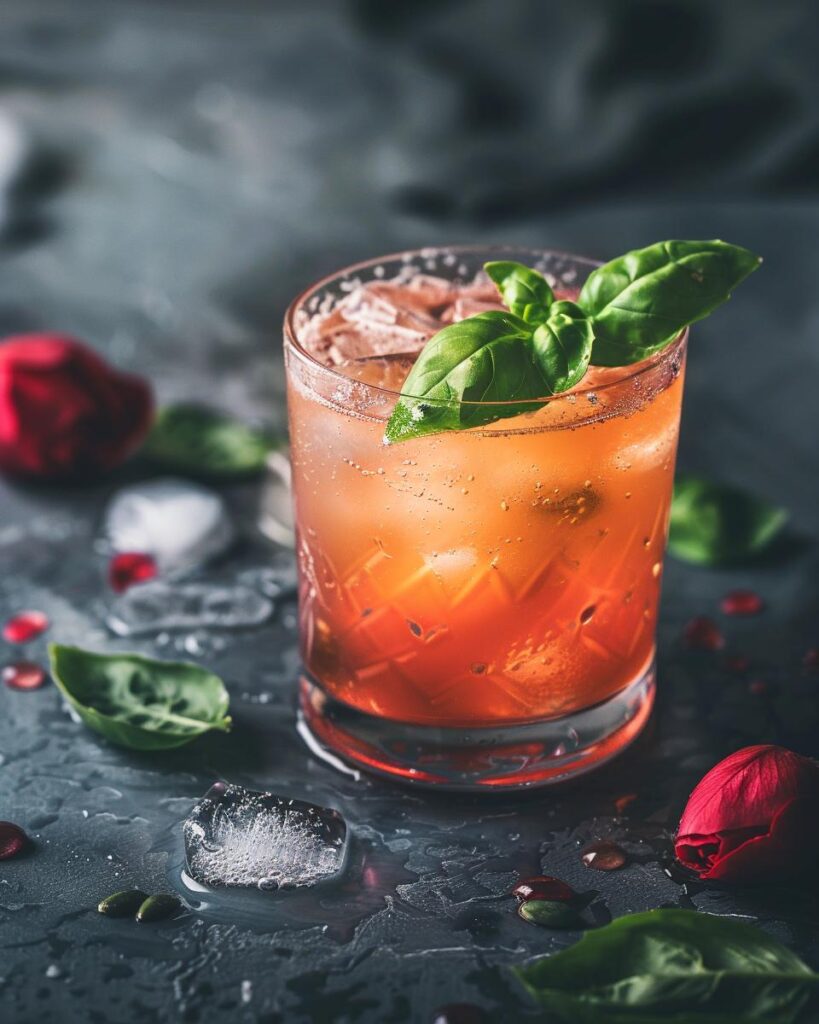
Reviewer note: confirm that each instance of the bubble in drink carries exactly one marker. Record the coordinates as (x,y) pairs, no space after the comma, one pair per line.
(242,838)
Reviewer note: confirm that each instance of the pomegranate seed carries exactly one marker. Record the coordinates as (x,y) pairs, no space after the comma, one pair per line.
(810,660)
(13,840)
(742,602)
(603,856)
(543,887)
(128,568)
(757,687)
(622,802)
(702,634)
(25,626)
(24,675)
(736,663)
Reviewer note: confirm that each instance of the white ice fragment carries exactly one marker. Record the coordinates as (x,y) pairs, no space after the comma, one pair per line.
(179,523)
(239,837)
(155,606)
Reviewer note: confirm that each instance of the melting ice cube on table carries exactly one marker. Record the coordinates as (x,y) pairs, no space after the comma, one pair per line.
(238,837)
(154,607)
(179,523)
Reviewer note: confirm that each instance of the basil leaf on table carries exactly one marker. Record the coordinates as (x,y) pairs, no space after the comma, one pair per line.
(464,368)
(667,966)
(524,291)
(203,442)
(138,702)
(641,301)
(714,524)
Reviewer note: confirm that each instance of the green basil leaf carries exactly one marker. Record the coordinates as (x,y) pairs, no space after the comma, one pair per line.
(462,371)
(140,702)
(641,301)
(198,441)
(563,346)
(524,291)
(714,524)
(673,965)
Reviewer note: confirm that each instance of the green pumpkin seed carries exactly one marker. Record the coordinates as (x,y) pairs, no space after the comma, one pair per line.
(158,907)
(549,914)
(122,904)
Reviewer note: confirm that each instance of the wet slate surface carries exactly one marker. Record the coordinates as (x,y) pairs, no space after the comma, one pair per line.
(192,170)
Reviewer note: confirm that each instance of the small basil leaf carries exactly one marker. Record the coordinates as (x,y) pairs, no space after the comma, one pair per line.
(641,301)
(563,345)
(713,524)
(462,371)
(524,291)
(139,702)
(202,442)
(672,965)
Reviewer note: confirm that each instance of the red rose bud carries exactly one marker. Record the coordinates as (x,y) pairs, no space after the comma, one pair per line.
(63,411)
(753,817)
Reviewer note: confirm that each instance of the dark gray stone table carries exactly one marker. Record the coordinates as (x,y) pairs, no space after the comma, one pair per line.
(195,164)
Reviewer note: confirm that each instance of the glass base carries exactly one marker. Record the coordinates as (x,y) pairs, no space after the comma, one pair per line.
(514,756)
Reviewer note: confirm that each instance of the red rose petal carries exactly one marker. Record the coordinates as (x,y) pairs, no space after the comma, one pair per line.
(702,634)
(13,840)
(24,675)
(753,817)
(128,568)
(742,602)
(25,626)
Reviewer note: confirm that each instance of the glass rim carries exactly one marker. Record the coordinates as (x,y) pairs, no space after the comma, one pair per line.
(633,370)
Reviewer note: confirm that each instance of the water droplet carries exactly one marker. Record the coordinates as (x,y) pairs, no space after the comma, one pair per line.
(504,506)
(603,856)
(702,634)
(543,887)
(587,614)
(129,568)
(25,626)
(13,840)
(656,569)
(478,668)
(24,675)
(742,602)
(415,629)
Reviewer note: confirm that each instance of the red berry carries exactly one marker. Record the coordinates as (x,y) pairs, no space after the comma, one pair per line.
(702,634)
(543,887)
(742,602)
(25,626)
(128,568)
(23,675)
(757,687)
(13,840)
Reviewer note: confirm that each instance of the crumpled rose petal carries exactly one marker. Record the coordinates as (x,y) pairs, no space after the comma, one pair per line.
(64,412)
(754,816)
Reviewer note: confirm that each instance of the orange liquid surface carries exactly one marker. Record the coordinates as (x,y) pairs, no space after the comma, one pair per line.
(492,575)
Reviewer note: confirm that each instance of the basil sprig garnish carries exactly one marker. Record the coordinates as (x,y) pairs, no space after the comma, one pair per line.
(627,310)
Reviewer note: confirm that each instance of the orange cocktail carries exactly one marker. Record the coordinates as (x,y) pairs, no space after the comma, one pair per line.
(477,606)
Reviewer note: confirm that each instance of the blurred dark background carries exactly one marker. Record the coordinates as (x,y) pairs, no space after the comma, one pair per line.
(187,166)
